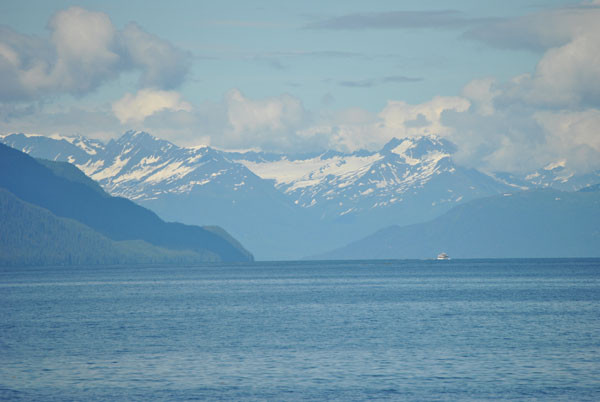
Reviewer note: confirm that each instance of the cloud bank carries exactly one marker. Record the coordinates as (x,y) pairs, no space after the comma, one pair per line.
(135,108)
(549,114)
(83,51)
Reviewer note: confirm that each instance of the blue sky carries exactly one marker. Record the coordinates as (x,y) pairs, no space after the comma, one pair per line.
(512,83)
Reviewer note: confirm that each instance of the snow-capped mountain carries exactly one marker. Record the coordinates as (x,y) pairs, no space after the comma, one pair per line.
(279,206)
(338,184)
(554,175)
(137,166)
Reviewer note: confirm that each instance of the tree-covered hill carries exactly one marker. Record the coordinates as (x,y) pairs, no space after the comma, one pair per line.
(31,235)
(69,195)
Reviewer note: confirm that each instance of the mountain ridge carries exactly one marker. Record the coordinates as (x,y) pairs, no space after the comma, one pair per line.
(285,206)
(535,223)
(32,235)
(113,217)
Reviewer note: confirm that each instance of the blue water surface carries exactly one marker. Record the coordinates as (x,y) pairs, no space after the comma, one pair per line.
(409,330)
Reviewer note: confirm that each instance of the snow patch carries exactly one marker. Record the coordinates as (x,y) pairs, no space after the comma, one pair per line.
(173,171)
(403,147)
(564,179)
(111,171)
(309,172)
(89,168)
(553,165)
(148,160)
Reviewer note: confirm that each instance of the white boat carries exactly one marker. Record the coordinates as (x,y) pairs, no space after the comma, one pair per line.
(443,256)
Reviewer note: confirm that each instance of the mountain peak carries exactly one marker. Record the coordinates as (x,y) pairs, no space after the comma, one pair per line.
(134,135)
(142,140)
(417,147)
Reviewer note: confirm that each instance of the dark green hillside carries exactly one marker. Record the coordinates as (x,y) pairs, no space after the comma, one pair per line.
(539,223)
(30,235)
(114,217)
(71,173)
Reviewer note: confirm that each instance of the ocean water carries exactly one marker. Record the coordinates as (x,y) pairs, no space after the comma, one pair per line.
(381,330)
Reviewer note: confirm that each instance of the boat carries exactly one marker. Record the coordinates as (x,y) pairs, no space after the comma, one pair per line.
(443,256)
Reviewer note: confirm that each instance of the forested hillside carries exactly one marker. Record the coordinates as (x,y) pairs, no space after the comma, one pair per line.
(30,235)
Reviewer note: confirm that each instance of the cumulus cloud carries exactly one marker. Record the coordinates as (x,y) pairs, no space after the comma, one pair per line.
(345,130)
(85,53)
(520,139)
(84,50)
(273,114)
(146,102)
(550,114)
(568,73)
(270,123)
(482,92)
(406,120)
(508,139)
(567,76)
(354,128)
(573,136)
(497,134)
(541,117)
(162,64)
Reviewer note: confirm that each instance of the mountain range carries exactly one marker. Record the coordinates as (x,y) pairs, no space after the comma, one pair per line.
(53,214)
(289,206)
(541,223)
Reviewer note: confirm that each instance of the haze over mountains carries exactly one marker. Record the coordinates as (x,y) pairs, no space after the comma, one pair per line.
(53,214)
(542,223)
(289,206)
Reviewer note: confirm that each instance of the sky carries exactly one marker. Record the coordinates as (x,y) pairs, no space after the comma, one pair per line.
(515,84)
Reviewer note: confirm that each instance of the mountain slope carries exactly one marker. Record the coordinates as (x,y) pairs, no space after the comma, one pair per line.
(115,218)
(338,184)
(31,235)
(539,223)
(287,206)
(71,173)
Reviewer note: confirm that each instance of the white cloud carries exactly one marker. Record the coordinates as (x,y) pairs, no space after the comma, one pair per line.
(135,108)
(349,130)
(568,73)
(521,136)
(83,51)
(574,136)
(270,123)
(163,65)
(271,114)
(527,122)
(481,93)
(406,120)
(353,129)
(541,117)
(84,43)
